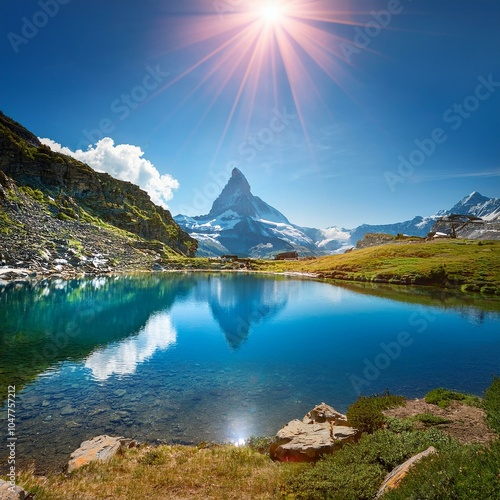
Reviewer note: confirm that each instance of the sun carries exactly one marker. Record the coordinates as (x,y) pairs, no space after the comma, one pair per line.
(272,12)
(266,52)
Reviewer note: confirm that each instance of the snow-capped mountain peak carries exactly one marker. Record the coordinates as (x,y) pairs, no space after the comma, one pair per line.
(243,224)
(237,197)
(477,204)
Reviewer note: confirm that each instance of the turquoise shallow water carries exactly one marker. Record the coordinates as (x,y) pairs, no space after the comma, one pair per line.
(184,358)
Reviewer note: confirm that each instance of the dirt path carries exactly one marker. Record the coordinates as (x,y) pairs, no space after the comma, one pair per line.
(467,423)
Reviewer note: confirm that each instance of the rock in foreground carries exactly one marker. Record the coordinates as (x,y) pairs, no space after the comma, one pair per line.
(321,431)
(9,492)
(394,478)
(101,448)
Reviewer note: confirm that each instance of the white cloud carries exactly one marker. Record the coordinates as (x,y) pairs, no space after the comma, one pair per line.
(124,357)
(124,162)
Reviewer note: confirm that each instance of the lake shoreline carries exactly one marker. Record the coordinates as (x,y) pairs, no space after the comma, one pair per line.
(10,275)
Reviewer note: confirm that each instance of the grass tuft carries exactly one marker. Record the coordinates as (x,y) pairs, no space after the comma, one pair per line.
(444,397)
(492,405)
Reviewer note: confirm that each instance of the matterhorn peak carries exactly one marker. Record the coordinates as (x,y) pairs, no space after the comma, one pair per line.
(237,198)
(238,180)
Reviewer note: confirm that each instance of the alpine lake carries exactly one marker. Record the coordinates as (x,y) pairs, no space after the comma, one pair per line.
(192,357)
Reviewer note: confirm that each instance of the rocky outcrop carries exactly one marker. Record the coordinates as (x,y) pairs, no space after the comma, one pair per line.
(394,478)
(10,492)
(323,430)
(34,243)
(468,227)
(74,191)
(98,449)
(324,413)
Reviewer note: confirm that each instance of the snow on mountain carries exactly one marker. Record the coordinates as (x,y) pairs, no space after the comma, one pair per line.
(478,205)
(488,209)
(242,224)
(237,197)
(474,204)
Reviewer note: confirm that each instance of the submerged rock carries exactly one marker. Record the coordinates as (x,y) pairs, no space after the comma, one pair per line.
(321,431)
(68,410)
(100,448)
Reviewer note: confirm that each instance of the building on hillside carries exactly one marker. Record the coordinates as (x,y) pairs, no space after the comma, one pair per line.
(287,256)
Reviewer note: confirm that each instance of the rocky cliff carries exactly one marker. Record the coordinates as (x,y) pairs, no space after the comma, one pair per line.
(40,189)
(82,189)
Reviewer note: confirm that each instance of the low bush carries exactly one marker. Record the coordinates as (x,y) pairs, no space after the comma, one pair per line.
(260,443)
(356,471)
(399,425)
(443,398)
(492,405)
(467,472)
(366,415)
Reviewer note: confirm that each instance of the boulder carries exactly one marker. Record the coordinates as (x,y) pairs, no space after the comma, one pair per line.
(394,478)
(324,413)
(101,449)
(9,492)
(322,430)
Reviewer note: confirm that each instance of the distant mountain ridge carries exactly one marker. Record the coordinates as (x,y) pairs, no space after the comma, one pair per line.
(242,224)
(473,204)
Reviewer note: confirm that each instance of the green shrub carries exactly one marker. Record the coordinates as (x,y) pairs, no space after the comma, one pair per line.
(5,223)
(492,404)
(399,425)
(154,457)
(466,472)
(260,443)
(390,450)
(431,419)
(64,217)
(366,413)
(443,398)
(356,471)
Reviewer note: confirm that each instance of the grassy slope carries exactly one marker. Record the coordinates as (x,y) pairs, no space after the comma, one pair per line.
(474,265)
(166,472)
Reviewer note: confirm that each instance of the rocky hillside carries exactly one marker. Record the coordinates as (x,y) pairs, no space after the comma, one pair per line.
(48,198)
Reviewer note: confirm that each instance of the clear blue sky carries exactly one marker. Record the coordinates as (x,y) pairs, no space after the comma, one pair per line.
(201,86)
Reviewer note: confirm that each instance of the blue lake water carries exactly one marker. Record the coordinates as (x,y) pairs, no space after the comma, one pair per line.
(185,358)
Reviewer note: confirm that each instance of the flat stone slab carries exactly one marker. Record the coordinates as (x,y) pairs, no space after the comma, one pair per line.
(99,449)
(9,492)
(321,431)
(394,478)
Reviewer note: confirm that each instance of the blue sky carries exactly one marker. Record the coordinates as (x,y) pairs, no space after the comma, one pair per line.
(338,113)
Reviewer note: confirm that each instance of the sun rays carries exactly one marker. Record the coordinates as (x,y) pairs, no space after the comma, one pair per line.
(259,54)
